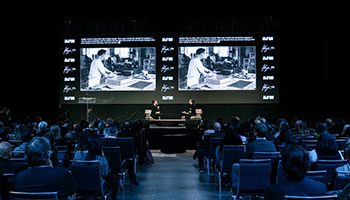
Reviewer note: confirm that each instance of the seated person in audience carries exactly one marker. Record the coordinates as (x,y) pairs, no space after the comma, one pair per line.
(4,131)
(203,141)
(345,167)
(296,163)
(204,150)
(6,166)
(90,148)
(52,179)
(261,144)
(326,149)
(26,137)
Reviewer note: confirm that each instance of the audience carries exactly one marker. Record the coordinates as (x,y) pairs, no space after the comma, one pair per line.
(53,179)
(295,162)
(257,134)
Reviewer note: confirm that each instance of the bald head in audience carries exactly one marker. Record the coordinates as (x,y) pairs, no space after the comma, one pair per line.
(5,150)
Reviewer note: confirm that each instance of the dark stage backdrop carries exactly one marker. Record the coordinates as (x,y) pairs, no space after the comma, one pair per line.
(313,52)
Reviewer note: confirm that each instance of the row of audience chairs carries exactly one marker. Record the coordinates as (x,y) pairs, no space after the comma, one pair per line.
(256,175)
(87,174)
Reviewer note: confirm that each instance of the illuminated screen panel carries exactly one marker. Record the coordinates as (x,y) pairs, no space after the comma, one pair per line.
(225,69)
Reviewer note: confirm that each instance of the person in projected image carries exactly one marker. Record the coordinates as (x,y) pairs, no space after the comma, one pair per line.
(196,69)
(98,70)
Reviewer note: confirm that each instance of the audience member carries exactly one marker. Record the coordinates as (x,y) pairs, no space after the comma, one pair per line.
(6,166)
(260,144)
(90,148)
(42,128)
(326,148)
(17,132)
(345,167)
(296,163)
(55,179)
(26,137)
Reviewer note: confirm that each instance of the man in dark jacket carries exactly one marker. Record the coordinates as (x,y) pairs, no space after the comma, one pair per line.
(261,144)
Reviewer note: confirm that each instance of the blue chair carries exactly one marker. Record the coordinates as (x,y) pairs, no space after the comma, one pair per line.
(274,157)
(15,195)
(253,176)
(341,180)
(88,177)
(320,175)
(127,148)
(115,162)
(214,142)
(330,166)
(230,154)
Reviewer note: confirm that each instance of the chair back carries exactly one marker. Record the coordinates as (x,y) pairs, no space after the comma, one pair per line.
(253,176)
(274,158)
(18,154)
(33,195)
(341,180)
(114,158)
(126,145)
(280,177)
(320,175)
(88,177)
(325,197)
(231,154)
(330,166)
(214,142)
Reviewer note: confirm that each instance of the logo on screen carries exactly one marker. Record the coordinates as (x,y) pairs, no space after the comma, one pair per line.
(69,98)
(167,39)
(68,69)
(68,50)
(69,41)
(268,97)
(267,67)
(167,98)
(266,48)
(268,58)
(67,89)
(166,87)
(69,79)
(167,78)
(167,58)
(267,38)
(266,78)
(166,68)
(267,87)
(69,60)
(166,49)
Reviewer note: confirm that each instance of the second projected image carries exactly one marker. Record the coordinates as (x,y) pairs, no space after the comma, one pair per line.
(217,68)
(118,69)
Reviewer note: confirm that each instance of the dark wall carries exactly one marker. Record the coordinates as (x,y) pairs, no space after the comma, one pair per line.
(312,58)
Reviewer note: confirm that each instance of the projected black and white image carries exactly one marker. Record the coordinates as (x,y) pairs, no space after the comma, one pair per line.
(118,69)
(217,68)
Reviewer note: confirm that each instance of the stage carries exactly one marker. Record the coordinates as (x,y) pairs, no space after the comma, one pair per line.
(164,133)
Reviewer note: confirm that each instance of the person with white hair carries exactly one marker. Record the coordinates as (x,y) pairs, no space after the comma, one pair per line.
(42,128)
(54,179)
